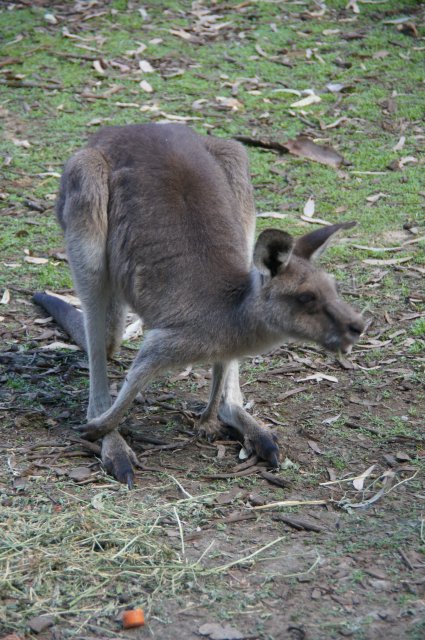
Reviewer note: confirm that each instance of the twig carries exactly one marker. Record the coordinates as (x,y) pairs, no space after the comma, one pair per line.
(180,531)
(180,486)
(405,559)
(299,524)
(274,479)
(239,474)
(224,567)
(289,503)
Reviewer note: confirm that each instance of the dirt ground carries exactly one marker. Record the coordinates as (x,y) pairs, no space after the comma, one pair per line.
(349,567)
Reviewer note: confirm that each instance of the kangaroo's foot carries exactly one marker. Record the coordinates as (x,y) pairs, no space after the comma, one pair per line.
(209,427)
(118,458)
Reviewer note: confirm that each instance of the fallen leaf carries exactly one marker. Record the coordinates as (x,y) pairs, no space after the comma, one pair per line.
(97,65)
(272,214)
(21,143)
(309,207)
(133,330)
(41,623)
(243,454)
(79,474)
(180,33)
(5,299)
(36,260)
(59,346)
(50,18)
(305,102)
(217,631)
(352,4)
(376,261)
(319,377)
(314,446)
(325,223)
(229,103)
(409,29)
(400,144)
(146,86)
(401,456)
(358,482)
(376,197)
(334,124)
(331,420)
(182,375)
(408,160)
(146,66)
(379,55)
(376,249)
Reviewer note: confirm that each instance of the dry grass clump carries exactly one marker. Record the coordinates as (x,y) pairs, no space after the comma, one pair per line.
(74,557)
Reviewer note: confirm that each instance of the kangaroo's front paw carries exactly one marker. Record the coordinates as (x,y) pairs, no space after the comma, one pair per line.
(118,458)
(94,430)
(264,443)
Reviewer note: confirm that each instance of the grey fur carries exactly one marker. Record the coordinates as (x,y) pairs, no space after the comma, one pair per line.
(161,219)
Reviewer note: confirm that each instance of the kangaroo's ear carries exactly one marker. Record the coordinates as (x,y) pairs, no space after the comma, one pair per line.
(312,245)
(272,251)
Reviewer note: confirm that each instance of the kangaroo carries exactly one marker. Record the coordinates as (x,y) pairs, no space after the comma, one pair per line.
(161,220)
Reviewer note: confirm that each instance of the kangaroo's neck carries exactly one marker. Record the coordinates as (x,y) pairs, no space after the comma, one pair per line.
(255,326)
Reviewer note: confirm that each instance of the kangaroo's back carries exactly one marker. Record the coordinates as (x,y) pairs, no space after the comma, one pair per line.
(175,227)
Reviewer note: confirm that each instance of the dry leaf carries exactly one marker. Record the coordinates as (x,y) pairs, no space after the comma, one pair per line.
(400,144)
(352,4)
(383,263)
(21,143)
(331,420)
(305,102)
(325,223)
(79,474)
(36,260)
(334,124)
(319,377)
(146,86)
(309,207)
(133,330)
(5,299)
(229,103)
(376,249)
(97,65)
(314,446)
(50,18)
(146,66)
(272,214)
(59,346)
(408,160)
(358,482)
(41,623)
(376,197)
(181,34)
(182,375)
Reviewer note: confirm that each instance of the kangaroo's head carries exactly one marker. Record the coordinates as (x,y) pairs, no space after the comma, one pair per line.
(299,299)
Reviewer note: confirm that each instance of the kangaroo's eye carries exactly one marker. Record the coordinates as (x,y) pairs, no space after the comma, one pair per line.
(306,297)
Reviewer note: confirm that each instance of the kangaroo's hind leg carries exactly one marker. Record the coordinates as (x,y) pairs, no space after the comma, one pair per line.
(82,211)
(257,439)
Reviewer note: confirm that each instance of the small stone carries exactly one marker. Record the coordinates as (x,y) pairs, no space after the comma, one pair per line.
(41,623)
